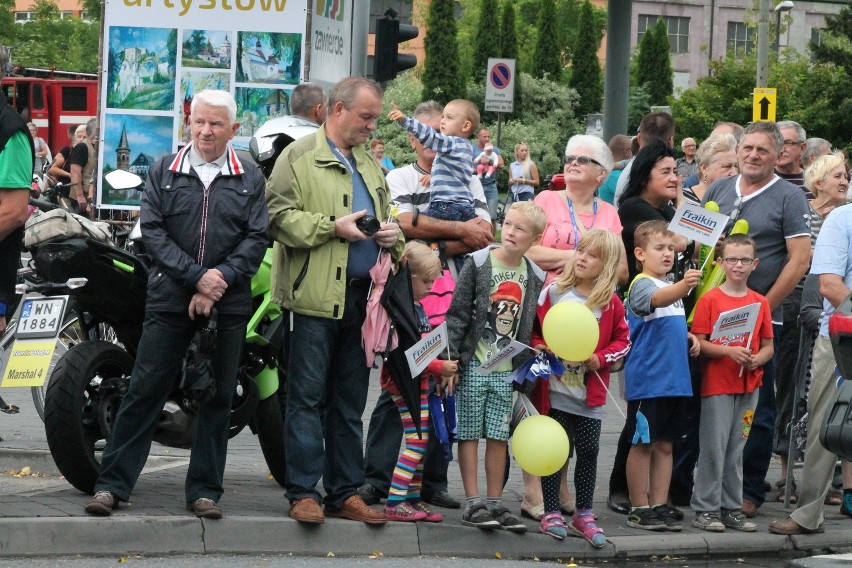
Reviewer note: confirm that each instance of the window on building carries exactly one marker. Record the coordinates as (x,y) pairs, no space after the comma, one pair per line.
(678,31)
(816,36)
(379,7)
(22,17)
(84,15)
(740,39)
(66,14)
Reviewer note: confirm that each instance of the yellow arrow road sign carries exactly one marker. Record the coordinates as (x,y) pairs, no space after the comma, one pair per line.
(764,105)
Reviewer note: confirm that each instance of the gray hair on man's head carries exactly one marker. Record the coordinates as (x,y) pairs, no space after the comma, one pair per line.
(426,110)
(216,98)
(346,91)
(597,147)
(800,132)
(305,97)
(768,128)
(92,127)
(814,148)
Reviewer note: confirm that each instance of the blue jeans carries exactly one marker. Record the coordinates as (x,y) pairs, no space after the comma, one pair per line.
(383,438)
(758,448)
(327,370)
(450,211)
(165,340)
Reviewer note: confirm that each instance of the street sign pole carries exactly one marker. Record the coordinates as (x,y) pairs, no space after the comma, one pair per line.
(500,89)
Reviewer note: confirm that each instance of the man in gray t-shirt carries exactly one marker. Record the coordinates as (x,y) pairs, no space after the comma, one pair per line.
(779,223)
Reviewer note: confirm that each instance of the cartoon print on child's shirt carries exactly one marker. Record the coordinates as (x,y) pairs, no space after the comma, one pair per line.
(504,316)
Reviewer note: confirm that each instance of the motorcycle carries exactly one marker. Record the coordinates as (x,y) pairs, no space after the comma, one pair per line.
(86,386)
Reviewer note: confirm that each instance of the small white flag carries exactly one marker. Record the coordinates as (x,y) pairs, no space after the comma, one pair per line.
(427,349)
(699,224)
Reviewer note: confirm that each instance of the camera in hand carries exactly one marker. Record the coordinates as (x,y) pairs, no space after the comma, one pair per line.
(368,225)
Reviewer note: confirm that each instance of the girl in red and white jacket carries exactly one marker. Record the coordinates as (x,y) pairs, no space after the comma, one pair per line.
(576,398)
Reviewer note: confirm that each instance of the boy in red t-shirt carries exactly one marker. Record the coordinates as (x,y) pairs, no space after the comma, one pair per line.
(732,375)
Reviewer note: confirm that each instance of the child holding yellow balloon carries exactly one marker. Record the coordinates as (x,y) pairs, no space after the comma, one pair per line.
(575,399)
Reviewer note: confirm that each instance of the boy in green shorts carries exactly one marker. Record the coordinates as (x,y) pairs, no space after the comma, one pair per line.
(493,304)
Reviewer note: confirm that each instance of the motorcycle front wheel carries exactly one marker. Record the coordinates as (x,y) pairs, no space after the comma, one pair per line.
(80,404)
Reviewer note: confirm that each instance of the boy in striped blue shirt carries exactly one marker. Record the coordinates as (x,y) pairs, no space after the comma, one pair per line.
(451,199)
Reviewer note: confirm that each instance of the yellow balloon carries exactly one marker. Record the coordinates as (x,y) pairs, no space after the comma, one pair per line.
(540,445)
(571,331)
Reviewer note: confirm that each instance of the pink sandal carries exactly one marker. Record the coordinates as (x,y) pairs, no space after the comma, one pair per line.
(583,524)
(553,525)
(431,516)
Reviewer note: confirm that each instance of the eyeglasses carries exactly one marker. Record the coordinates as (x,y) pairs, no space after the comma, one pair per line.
(732,261)
(582,160)
(792,142)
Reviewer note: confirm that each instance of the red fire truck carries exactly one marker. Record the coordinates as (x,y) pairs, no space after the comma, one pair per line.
(53,100)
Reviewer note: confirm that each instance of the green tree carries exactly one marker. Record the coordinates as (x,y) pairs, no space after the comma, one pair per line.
(69,44)
(585,70)
(835,46)
(508,37)
(815,95)
(441,77)
(197,40)
(7,22)
(547,54)
(487,38)
(653,69)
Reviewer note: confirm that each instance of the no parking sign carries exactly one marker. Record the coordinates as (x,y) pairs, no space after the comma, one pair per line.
(500,85)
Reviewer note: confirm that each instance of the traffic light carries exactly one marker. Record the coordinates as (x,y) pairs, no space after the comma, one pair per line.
(389,34)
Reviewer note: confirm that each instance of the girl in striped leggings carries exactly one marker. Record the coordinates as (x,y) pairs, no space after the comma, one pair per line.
(404,503)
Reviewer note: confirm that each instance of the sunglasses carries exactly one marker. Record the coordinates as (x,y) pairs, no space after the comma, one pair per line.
(582,160)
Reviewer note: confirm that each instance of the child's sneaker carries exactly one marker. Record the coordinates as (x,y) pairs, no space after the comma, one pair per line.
(736,519)
(846,505)
(553,525)
(583,524)
(708,522)
(508,521)
(431,516)
(480,517)
(403,512)
(645,518)
(672,517)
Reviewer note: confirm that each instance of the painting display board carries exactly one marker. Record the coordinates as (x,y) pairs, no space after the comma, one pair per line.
(158,54)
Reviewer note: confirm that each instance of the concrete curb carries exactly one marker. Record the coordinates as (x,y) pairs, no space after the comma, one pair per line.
(55,536)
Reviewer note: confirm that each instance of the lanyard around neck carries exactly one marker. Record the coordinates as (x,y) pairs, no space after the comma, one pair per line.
(574,220)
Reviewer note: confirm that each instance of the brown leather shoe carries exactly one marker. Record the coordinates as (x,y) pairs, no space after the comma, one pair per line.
(749,509)
(790,527)
(204,508)
(307,510)
(102,504)
(355,509)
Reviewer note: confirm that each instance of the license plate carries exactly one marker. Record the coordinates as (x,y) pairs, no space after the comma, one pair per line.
(41,317)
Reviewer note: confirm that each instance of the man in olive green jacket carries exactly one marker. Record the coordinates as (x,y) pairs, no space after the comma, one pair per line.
(321,189)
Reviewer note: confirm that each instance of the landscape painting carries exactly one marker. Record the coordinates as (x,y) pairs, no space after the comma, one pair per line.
(206,49)
(267,57)
(141,68)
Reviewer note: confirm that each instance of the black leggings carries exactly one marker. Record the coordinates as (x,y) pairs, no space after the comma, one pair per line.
(586,439)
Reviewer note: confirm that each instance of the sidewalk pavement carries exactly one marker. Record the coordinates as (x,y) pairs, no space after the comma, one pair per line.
(43,515)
